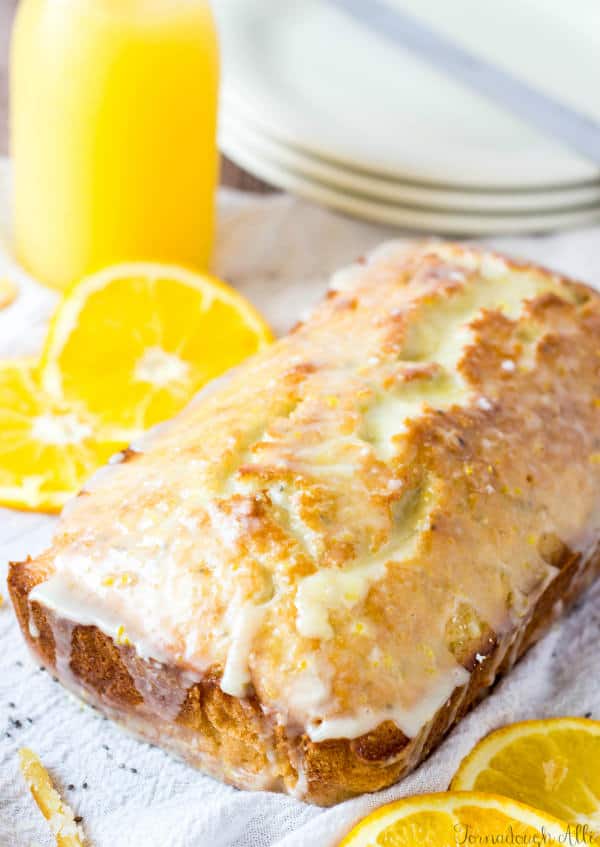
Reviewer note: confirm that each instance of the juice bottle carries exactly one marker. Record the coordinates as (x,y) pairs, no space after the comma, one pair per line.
(114,111)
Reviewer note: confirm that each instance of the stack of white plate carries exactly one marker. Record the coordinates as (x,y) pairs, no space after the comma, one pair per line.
(316,104)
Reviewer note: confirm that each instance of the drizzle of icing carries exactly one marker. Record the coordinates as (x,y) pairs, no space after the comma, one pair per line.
(301,495)
(410,721)
(331,589)
(62,595)
(236,674)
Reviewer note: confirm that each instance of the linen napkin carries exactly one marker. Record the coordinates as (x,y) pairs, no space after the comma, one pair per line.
(279,251)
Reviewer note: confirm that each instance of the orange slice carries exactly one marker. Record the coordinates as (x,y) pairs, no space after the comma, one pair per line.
(47,449)
(135,342)
(462,818)
(551,764)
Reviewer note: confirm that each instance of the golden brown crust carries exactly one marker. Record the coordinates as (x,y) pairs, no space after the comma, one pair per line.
(405,491)
(232,740)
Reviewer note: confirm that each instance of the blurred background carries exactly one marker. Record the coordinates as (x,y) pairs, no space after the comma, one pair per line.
(455,118)
(231,174)
(376,130)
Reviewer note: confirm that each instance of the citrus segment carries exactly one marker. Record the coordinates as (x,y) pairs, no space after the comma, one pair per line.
(134,343)
(457,818)
(550,764)
(47,449)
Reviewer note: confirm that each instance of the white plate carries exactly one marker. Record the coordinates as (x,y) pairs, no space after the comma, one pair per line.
(322,82)
(418,196)
(398,215)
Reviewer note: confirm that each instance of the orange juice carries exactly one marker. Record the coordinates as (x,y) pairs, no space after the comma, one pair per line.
(114,110)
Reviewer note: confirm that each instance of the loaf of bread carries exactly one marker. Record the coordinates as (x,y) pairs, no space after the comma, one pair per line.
(304,580)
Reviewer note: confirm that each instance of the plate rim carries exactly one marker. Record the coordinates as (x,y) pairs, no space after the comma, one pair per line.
(407,194)
(402,218)
(286,126)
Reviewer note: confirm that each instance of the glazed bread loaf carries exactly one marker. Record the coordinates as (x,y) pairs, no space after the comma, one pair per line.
(304,580)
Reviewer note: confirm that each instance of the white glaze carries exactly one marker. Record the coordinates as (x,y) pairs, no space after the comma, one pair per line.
(236,674)
(168,574)
(62,595)
(410,721)
(330,589)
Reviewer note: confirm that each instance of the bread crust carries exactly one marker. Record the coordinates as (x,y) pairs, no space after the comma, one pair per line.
(234,740)
(488,472)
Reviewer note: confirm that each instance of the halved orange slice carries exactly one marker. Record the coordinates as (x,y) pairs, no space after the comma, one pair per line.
(47,448)
(553,765)
(462,818)
(135,342)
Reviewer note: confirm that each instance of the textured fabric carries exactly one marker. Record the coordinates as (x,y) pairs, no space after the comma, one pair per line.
(279,252)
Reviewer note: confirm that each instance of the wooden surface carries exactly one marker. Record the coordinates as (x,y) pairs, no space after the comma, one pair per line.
(7,8)
(236,177)
(230,174)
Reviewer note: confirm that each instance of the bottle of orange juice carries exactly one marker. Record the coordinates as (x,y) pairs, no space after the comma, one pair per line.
(114,112)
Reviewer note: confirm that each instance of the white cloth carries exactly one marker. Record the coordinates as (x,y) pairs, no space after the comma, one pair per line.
(278,251)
